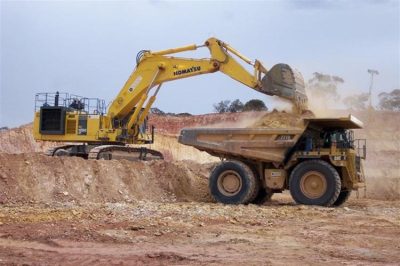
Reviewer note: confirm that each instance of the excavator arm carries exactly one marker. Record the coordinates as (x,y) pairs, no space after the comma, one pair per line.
(155,68)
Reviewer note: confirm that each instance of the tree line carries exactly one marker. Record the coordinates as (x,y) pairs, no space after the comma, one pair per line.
(237,106)
(325,87)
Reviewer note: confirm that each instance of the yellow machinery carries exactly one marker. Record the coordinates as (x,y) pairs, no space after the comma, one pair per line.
(67,118)
(320,162)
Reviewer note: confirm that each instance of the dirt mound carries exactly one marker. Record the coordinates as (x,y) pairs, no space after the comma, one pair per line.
(20,140)
(38,178)
(277,119)
(174,151)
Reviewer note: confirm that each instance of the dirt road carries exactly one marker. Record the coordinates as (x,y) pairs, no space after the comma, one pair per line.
(280,233)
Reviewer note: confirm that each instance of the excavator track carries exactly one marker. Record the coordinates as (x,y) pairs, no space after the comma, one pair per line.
(108,152)
(53,151)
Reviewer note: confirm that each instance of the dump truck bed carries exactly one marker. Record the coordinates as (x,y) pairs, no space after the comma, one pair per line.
(253,143)
(263,144)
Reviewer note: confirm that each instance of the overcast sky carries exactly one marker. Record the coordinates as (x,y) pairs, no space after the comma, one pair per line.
(89,47)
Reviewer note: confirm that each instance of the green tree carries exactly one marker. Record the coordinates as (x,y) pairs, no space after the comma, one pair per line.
(357,101)
(390,100)
(222,106)
(157,111)
(235,106)
(255,105)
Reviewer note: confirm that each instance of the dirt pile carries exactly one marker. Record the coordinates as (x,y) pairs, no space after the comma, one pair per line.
(174,151)
(20,140)
(39,178)
(277,119)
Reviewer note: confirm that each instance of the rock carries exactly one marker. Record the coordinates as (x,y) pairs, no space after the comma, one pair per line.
(136,228)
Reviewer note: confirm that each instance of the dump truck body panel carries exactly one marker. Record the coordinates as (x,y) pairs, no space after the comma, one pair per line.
(270,145)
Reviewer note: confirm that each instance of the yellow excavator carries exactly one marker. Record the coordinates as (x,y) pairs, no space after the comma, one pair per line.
(94,133)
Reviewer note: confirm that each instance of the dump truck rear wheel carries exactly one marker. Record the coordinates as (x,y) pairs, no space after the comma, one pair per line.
(263,196)
(315,182)
(343,197)
(233,182)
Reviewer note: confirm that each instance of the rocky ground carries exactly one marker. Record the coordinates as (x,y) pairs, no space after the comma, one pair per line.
(77,212)
(193,233)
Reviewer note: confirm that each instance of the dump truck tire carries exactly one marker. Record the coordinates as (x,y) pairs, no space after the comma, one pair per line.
(315,182)
(233,182)
(256,190)
(264,195)
(343,197)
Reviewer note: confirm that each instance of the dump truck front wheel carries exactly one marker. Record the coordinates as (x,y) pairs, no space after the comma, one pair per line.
(233,182)
(315,182)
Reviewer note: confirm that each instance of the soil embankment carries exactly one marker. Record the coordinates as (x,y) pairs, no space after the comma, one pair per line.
(36,178)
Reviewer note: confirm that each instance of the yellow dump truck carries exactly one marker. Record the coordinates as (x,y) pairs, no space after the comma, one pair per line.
(320,162)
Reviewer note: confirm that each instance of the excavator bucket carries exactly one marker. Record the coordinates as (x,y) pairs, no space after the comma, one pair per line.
(283,81)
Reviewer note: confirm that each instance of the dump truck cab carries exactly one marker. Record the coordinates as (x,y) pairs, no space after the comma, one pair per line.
(320,162)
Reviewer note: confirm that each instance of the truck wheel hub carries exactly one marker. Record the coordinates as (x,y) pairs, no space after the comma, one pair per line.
(313,184)
(229,183)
